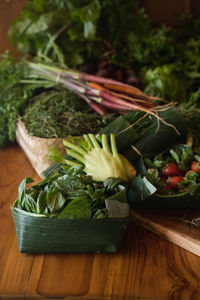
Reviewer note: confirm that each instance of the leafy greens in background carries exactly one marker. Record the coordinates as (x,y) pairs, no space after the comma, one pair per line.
(87,32)
(13,96)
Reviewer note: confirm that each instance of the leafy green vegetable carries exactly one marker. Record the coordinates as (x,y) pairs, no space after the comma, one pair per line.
(70,194)
(78,208)
(83,34)
(164,82)
(54,200)
(13,96)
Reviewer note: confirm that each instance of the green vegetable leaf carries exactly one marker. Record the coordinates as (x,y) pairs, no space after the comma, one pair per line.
(79,208)
(22,190)
(175,156)
(30,204)
(41,202)
(54,200)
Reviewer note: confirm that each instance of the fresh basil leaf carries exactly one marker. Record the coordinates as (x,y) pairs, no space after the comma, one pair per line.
(55,200)
(30,204)
(41,202)
(22,189)
(66,183)
(78,208)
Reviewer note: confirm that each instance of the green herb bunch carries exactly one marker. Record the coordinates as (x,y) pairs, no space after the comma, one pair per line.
(58,113)
(69,194)
(13,96)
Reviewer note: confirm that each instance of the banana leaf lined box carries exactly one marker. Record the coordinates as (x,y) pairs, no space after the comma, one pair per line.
(51,235)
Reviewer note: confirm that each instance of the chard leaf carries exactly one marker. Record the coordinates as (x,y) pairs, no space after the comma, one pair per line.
(78,208)
(54,200)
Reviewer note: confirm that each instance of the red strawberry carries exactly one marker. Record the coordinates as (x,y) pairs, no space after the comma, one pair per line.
(171,170)
(195,166)
(167,187)
(173,181)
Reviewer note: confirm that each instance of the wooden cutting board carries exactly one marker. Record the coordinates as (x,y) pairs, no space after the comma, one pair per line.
(167,225)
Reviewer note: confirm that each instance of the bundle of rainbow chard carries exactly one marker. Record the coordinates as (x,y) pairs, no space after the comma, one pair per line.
(101,94)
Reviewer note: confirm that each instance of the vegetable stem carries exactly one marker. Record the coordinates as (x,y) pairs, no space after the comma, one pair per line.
(72,163)
(94,141)
(76,155)
(114,146)
(105,143)
(87,139)
(74,147)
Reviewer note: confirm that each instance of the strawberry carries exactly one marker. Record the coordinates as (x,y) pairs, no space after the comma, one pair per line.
(195,166)
(171,170)
(167,187)
(173,181)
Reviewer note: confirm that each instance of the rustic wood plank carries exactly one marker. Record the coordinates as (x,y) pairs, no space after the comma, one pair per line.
(165,224)
(14,167)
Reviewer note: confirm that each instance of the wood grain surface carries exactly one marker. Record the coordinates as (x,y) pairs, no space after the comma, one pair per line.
(168,224)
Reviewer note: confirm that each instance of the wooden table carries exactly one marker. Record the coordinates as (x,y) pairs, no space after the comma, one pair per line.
(145,267)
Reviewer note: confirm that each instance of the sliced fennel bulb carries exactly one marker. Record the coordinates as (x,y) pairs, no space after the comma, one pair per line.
(101,161)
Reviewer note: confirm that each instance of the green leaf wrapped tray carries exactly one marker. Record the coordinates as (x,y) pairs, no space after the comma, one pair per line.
(70,212)
(49,235)
(155,187)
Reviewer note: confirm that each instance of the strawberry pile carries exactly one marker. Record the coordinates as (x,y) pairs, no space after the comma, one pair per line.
(175,171)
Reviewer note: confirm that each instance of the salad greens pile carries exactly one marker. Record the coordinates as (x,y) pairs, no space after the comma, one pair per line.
(71,194)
